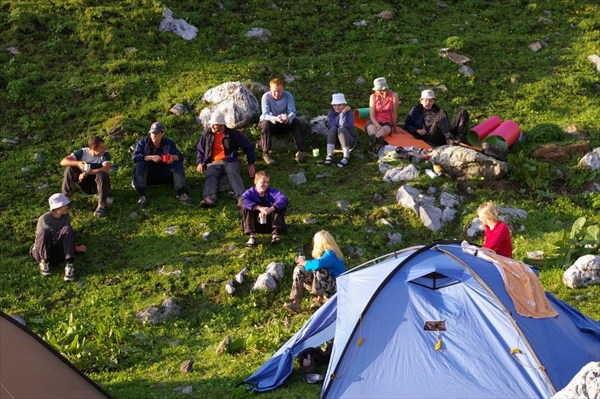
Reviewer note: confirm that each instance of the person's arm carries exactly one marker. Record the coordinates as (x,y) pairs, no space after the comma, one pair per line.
(349,119)
(70,160)
(172,150)
(139,153)
(200,154)
(326,261)
(395,104)
(412,124)
(267,112)
(291,106)
(248,199)
(372,112)
(280,201)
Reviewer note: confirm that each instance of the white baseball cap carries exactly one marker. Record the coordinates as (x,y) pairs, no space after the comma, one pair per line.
(57,200)
(338,99)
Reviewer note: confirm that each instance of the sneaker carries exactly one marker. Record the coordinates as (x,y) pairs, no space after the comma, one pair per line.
(269,160)
(186,199)
(292,307)
(69,272)
(300,156)
(45,268)
(99,212)
(143,202)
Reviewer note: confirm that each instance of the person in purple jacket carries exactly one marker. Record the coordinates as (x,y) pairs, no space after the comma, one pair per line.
(262,209)
(317,276)
(340,120)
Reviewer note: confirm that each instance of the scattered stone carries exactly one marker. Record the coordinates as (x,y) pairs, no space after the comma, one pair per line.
(343,205)
(133,215)
(384,167)
(514,79)
(171,230)
(356,251)
(590,187)
(39,158)
(400,174)
(596,60)
(377,198)
(289,78)
(414,40)
(206,235)
(185,390)
(431,216)
(309,220)
(13,50)
(585,384)
(360,80)
(263,282)
(229,288)
(535,47)
(318,125)
(277,270)
(155,314)
(162,270)
(555,153)
(535,255)
(179,109)
(234,100)
(260,34)
(361,22)
(466,71)
(442,4)
(456,58)
(591,160)
(223,345)
(11,141)
(186,366)
(574,131)
(177,26)
(416,70)
(585,271)
(386,15)
(298,178)
(394,238)
(239,278)
(385,222)
(25,170)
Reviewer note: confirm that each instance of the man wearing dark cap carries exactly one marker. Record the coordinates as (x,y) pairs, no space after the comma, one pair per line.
(217,157)
(158,161)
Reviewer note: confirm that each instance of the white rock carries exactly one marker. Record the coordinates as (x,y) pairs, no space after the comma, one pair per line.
(585,271)
(585,384)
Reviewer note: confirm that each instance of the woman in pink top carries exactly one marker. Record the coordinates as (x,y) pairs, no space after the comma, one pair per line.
(497,233)
(383,112)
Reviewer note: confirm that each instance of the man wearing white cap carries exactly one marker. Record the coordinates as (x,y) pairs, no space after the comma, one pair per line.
(428,122)
(54,238)
(217,157)
(340,120)
(158,161)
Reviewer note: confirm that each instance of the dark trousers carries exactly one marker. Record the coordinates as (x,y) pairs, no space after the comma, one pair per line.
(441,131)
(52,249)
(250,224)
(98,183)
(268,128)
(145,175)
(216,171)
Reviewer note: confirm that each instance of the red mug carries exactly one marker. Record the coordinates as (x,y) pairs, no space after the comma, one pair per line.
(166,158)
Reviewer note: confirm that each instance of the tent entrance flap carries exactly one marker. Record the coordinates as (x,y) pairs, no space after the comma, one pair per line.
(435,281)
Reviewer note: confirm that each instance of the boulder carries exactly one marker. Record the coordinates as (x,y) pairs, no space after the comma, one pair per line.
(177,26)
(591,160)
(155,314)
(585,271)
(234,100)
(585,384)
(318,125)
(464,163)
(400,174)
(559,153)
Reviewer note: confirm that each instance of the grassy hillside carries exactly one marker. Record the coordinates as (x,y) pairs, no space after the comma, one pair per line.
(73,68)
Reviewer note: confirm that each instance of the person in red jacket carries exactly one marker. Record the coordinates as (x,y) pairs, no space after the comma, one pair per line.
(497,233)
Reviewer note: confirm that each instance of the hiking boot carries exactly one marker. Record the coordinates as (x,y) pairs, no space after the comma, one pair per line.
(186,199)
(69,272)
(45,268)
(292,307)
(143,202)
(269,160)
(300,156)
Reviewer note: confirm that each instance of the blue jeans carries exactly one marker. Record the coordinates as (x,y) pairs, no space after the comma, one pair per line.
(147,174)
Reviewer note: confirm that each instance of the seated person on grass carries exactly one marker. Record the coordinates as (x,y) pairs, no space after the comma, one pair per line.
(262,209)
(383,113)
(317,275)
(340,121)
(87,169)
(428,122)
(217,157)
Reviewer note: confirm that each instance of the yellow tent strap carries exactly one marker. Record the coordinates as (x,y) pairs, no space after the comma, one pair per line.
(439,344)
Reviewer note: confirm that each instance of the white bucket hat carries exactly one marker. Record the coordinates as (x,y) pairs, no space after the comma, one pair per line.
(57,200)
(380,84)
(338,99)
(427,94)
(217,119)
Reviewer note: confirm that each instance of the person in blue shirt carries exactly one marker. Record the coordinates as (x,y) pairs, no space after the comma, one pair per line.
(278,115)
(317,275)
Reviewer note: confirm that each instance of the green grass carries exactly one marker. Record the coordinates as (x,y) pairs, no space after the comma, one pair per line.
(100,67)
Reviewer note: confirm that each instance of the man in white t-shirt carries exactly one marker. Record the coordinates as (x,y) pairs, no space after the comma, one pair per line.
(88,169)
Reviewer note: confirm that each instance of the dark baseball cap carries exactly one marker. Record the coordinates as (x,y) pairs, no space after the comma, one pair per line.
(157,127)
